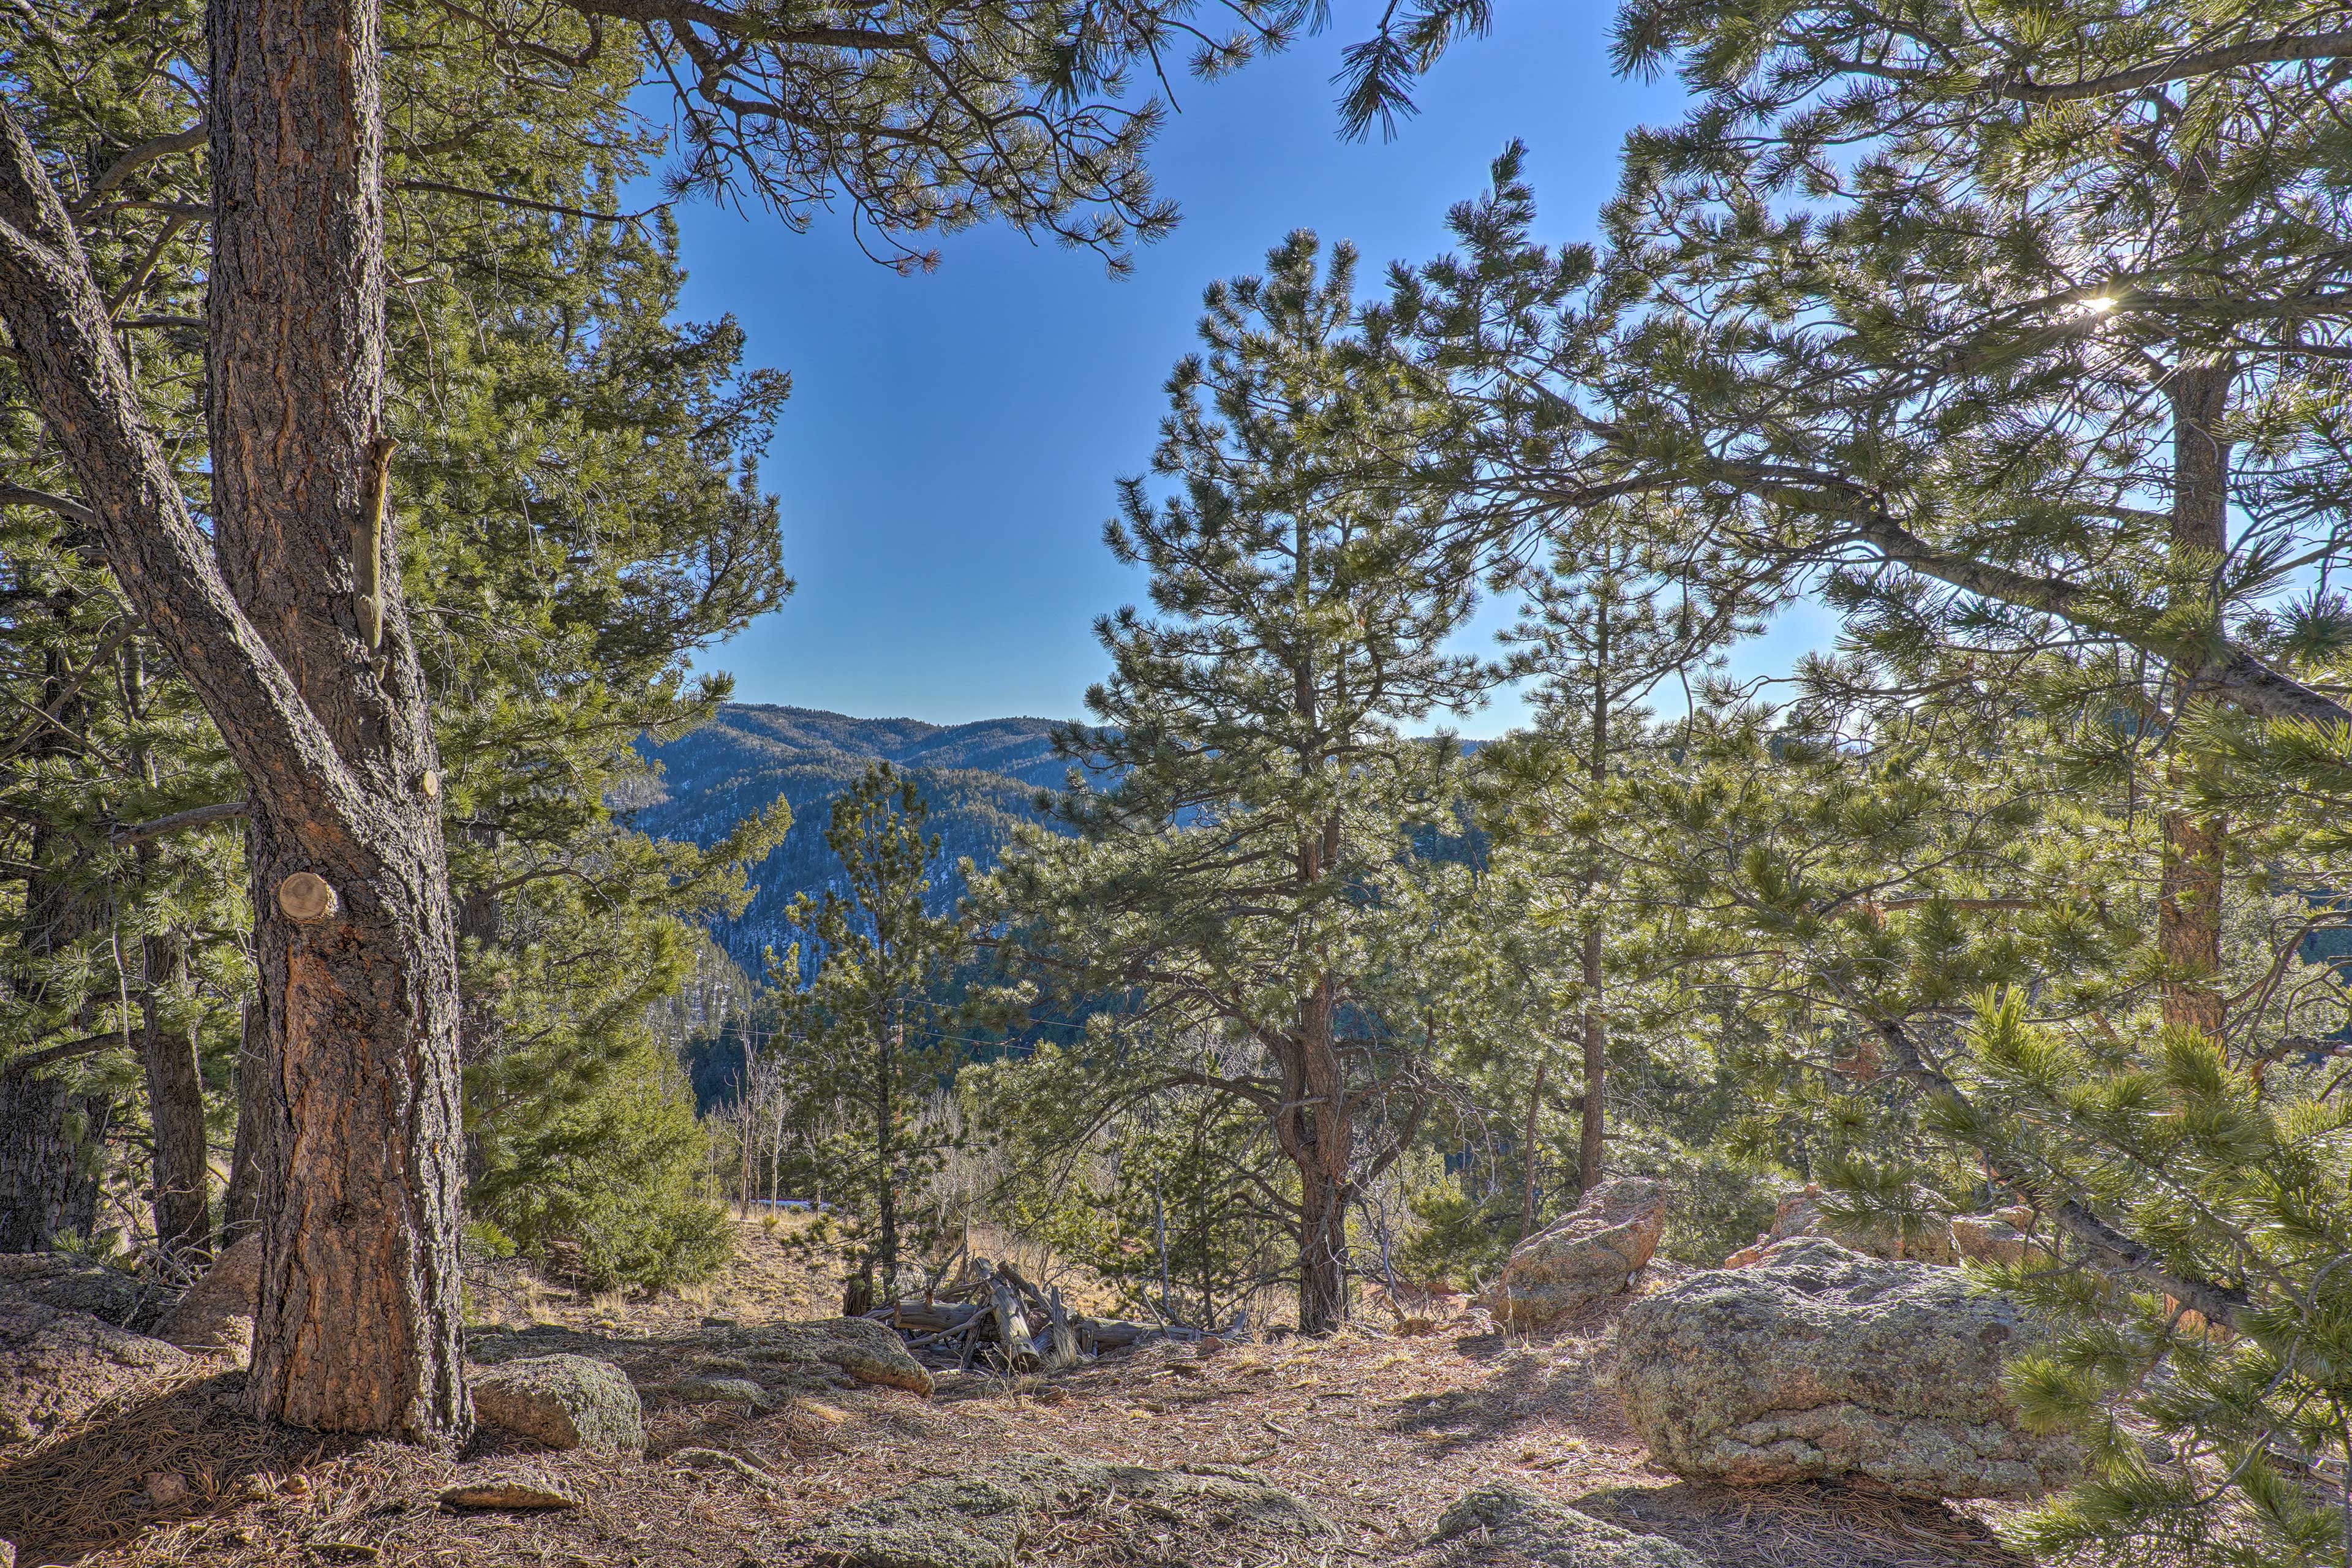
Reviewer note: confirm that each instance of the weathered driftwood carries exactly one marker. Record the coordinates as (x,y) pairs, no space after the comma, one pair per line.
(1012,1324)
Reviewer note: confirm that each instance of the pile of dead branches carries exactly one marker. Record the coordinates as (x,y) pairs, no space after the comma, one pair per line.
(995,1318)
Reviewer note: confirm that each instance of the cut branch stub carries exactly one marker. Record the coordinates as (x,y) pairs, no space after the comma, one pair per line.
(307,898)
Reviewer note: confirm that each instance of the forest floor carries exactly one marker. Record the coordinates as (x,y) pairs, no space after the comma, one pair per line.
(1377,1433)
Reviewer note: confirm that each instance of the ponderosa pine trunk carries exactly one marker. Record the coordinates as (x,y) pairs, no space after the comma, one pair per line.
(180,1189)
(1593,1141)
(1527,1156)
(356,1140)
(360,1138)
(2189,899)
(180,1168)
(888,1039)
(1313,1131)
(48,1182)
(47,1168)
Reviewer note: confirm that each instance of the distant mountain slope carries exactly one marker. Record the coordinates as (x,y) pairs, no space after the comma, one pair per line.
(977,780)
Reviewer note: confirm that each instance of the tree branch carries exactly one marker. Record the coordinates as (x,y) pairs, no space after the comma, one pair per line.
(2125,1253)
(73,365)
(2204,62)
(177,822)
(187,141)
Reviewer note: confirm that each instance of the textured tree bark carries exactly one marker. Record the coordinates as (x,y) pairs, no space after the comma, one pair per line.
(48,1185)
(1322,1255)
(51,1187)
(1527,1156)
(2188,899)
(1313,1131)
(180,1186)
(1593,1140)
(355,1139)
(181,1191)
(241,1199)
(358,1139)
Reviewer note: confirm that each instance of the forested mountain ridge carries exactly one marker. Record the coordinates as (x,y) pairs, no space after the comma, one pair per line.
(978,780)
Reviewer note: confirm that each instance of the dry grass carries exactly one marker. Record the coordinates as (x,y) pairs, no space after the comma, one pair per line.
(1377,1432)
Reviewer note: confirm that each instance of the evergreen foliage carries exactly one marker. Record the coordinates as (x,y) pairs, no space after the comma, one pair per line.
(580,466)
(1245,875)
(866,1019)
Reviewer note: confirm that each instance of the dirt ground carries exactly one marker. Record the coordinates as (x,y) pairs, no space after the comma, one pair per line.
(1377,1432)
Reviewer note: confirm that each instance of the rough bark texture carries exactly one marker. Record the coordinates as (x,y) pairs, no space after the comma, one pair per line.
(355,1144)
(51,1191)
(241,1199)
(48,1191)
(2188,903)
(1593,1136)
(179,1170)
(1593,1147)
(359,1309)
(181,1189)
(1313,1131)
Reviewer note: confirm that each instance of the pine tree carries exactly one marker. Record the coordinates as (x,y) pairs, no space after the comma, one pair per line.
(584,462)
(873,1025)
(1934,963)
(1624,607)
(1239,874)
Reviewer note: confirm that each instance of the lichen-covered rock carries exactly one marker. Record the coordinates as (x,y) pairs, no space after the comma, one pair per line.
(1500,1525)
(984,1519)
(1821,1362)
(73,1284)
(562,1401)
(521,1494)
(215,1316)
(1592,1252)
(56,1365)
(2001,1236)
(1800,1212)
(865,1351)
(719,1391)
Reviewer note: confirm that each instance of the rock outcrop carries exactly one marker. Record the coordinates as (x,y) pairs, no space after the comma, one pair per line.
(215,1316)
(1801,1214)
(1594,1252)
(72,1283)
(1500,1525)
(1821,1362)
(57,1364)
(994,1517)
(832,1353)
(739,1391)
(562,1401)
(2001,1236)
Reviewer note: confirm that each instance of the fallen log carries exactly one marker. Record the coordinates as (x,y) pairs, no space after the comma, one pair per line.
(1011,1325)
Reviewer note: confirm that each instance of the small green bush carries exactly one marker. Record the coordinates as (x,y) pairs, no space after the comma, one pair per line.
(600,1192)
(1463,1240)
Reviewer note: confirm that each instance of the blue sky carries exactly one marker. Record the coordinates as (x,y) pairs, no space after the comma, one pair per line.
(947,459)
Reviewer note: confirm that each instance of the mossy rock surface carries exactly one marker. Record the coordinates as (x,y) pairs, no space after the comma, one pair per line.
(1009,1512)
(1819,1363)
(865,1351)
(563,1401)
(1501,1526)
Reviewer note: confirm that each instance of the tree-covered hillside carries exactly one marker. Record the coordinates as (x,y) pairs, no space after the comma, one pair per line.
(977,779)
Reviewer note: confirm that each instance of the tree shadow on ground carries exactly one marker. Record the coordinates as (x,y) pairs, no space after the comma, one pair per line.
(1812,1524)
(1559,1386)
(154,1457)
